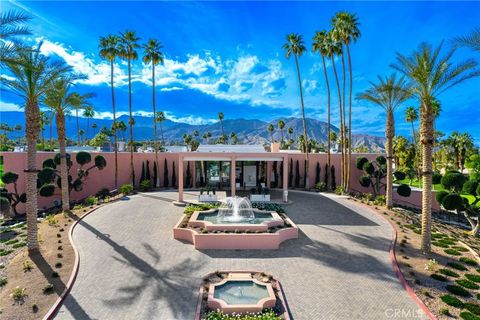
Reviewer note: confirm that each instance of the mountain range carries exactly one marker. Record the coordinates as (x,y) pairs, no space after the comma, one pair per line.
(248,131)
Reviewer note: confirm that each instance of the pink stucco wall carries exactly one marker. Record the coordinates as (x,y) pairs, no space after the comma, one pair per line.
(16,161)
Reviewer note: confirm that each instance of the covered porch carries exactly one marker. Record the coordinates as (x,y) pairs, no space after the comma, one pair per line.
(234,173)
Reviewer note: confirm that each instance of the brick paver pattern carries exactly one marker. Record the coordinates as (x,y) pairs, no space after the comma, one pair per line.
(132,268)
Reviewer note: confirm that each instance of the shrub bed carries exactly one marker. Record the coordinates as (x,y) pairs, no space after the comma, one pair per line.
(457,290)
(452,301)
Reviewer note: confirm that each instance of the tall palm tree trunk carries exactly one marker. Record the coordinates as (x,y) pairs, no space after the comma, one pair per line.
(88,126)
(43,138)
(304,122)
(78,128)
(114,126)
(32,127)
(389,133)
(132,169)
(426,139)
(340,108)
(344,131)
(349,163)
(51,130)
(63,160)
(328,114)
(161,132)
(156,183)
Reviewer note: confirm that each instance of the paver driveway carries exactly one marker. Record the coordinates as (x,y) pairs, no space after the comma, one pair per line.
(132,268)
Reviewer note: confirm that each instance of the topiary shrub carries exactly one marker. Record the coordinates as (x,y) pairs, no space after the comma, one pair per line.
(453,181)
(103,193)
(365,181)
(452,301)
(452,201)
(360,162)
(404,190)
(440,195)
(10,199)
(436,178)
(47,190)
(50,174)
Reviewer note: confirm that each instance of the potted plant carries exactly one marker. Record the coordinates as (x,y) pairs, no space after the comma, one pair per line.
(260,194)
(209,196)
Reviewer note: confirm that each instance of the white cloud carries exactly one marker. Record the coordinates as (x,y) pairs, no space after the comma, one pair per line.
(190,119)
(7,106)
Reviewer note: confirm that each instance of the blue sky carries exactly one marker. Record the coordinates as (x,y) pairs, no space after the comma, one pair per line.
(227,56)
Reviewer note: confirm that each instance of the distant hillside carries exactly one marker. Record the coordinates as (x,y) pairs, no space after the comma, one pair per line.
(248,131)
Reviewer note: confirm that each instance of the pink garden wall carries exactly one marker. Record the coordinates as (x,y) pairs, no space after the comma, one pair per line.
(16,161)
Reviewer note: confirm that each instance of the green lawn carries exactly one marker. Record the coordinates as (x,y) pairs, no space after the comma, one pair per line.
(436,187)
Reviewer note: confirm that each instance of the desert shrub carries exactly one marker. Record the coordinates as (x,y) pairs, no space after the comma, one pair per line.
(457,290)
(452,301)
(438,277)
(467,284)
(468,261)
(473,308)
(457,266)
(444,311)
(91,200)
(3,281)
(18,294)
(449,273)
(27,266)
(380,200)
(321,186)
(145,185)
(103,193)
(339,190)
(452,252)
(126,188)
(48,289)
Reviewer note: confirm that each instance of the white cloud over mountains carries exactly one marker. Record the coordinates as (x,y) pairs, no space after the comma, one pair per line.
(244,79)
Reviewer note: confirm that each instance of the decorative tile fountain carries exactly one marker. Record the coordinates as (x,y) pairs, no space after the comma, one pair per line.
(236,225)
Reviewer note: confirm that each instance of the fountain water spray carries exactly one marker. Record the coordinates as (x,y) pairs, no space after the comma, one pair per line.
(236,209)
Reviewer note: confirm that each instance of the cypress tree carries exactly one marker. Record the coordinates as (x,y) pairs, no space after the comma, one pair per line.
(275,175)
(165,175)
(334,184)
(188,176)
(147,172)
(297,175)
(317,176)
(142,176)
(290,174)
(174,176)
(155,174)
(325,178)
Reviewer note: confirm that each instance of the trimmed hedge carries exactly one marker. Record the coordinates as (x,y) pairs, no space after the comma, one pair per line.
(467,284)
(465,315)
(457,290)
(468,261)
(457,266)
(473,308)
(453,252)
(449,273)
(438,277)
(452,301)
(473,277)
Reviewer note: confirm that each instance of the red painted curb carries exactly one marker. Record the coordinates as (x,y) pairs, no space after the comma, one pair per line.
(54,309)
(399,273)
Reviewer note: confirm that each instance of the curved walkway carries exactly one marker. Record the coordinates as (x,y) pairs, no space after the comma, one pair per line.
(132,268)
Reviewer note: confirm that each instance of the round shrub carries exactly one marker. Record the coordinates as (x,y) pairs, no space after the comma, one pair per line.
(453,180)
(457,290)
(440,195)
(470,187)
(365,181)
(452,301)
(381,160)
(399,175)
(436,178)
(452,201)
(103,193)
(58,156)
(46,175)
(100,162)
(49,163)
(9,177)
(404,190)
(83,158)
(47,190)
(369,168)
(360,162)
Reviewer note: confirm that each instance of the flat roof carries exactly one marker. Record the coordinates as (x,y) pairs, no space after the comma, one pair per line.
(240,148)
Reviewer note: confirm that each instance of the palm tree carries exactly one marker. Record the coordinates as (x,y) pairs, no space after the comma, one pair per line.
(281,126)
(233,137)
(220,118)
(205,137)
(296,47)
(411,115)
(159,118)
(431,74)
(154,55)
(81,104)
(290,132)
(270,130)
(62,101)
(109,50)
(88,113)
(11,26)
(346,26)
(128,44)
(471,41)
(389,93)
(94,127)
(32,74)
(334,48)
(122,127)
(321,45)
